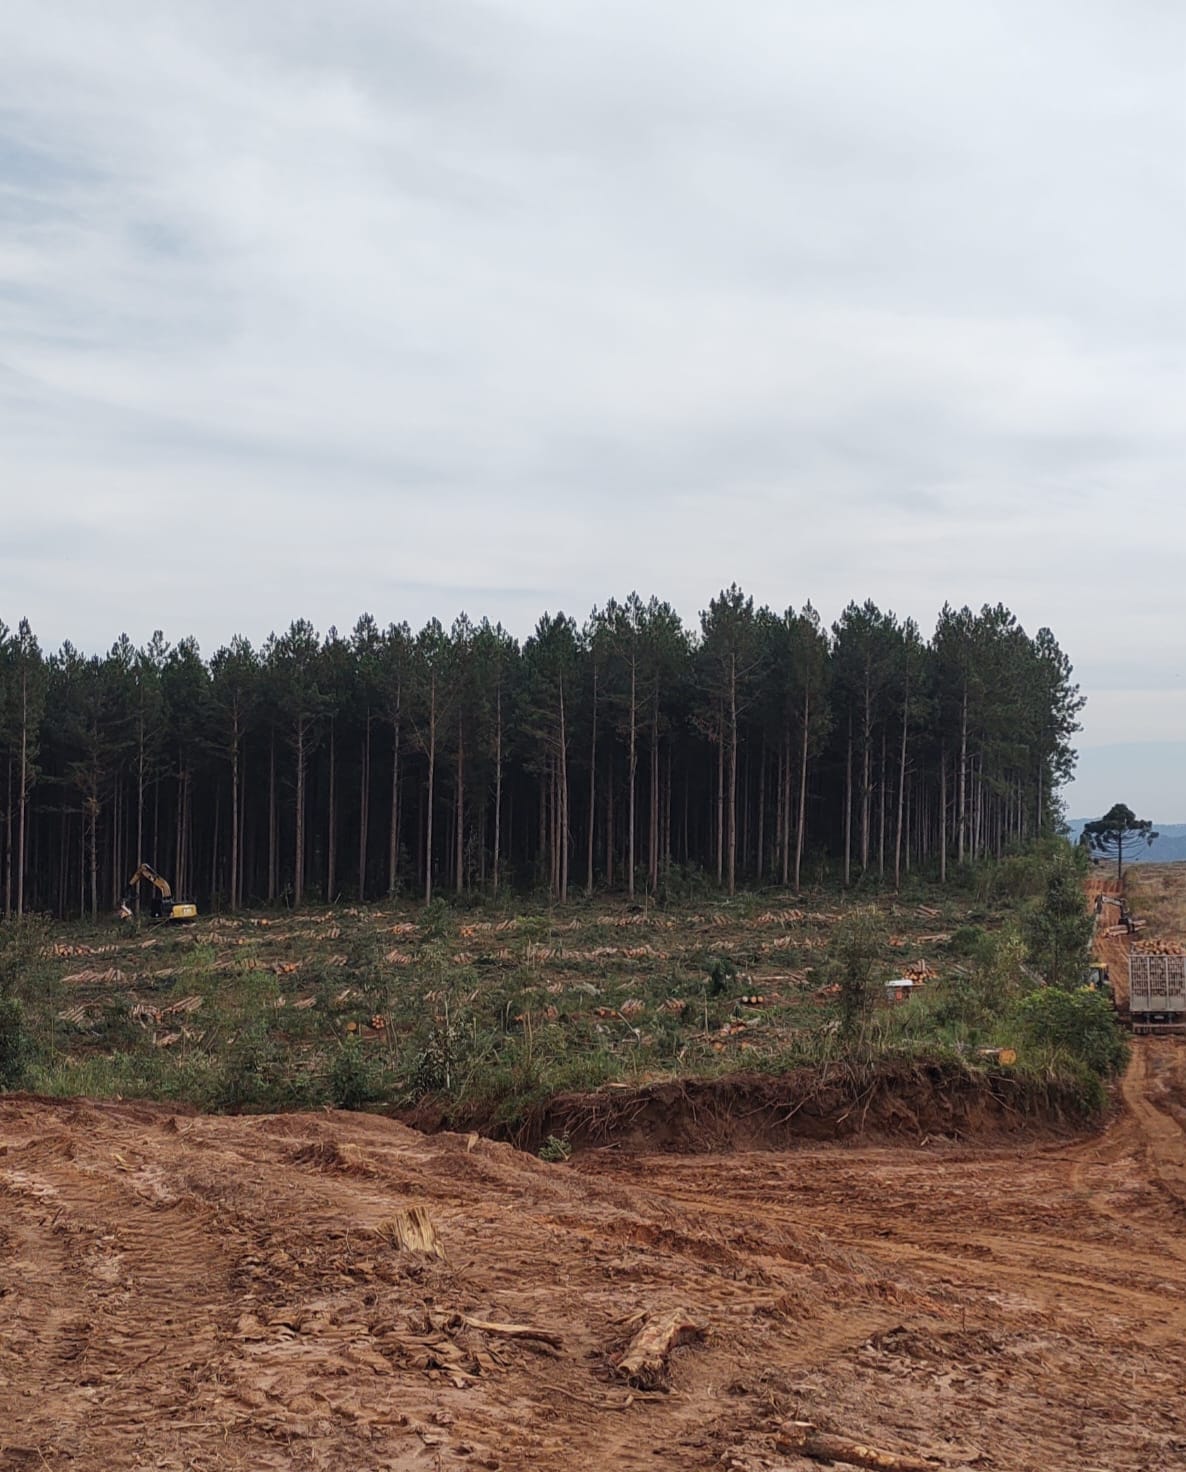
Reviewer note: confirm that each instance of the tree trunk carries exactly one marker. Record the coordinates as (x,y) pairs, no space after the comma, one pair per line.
(242,850)
(393,830)
(298,868)
(667,816)
(881,813)
(632,769)
(653,866)
(848,809)
(214,845)
(564,827)
(94,817)
(762,813)
(459,847)
(721,795)
(432,763)
(732,774)
(866,776)
(234,813)
(961,800)
(943,815)
(609,821)
(22,795)
(901,791)
(331,836)
(801,826)
(364,809)
(272,821)
(8,815)
(592,791)
(497,786)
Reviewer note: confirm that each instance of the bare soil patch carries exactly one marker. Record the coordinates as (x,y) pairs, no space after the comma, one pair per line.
(188,1291)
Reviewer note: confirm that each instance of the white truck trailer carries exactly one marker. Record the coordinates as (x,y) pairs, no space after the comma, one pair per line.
(1157,991)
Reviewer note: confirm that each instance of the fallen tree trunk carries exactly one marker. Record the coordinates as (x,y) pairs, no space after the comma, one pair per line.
(512,1331)
(644,1363)
(821,1446)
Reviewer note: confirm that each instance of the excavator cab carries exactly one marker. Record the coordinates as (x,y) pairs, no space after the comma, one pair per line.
(163,905)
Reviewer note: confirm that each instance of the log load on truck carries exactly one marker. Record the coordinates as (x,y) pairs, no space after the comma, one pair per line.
(1157,987)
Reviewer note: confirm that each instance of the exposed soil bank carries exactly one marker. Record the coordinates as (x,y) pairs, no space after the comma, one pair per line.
(761,1112)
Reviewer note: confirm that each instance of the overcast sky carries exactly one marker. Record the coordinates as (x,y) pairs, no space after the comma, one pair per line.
(420,305)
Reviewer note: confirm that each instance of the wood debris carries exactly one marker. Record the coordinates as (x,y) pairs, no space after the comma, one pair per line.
(412,1231)
(509,1331)
(644,1364)
(111,977)
(802,1438)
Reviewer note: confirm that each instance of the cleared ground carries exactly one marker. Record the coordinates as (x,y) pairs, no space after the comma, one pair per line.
(214,1292)
(201,1292)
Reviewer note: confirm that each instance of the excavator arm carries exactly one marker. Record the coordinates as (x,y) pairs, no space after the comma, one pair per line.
(146,871)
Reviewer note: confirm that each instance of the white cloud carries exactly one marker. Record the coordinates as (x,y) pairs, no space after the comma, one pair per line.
(307,309)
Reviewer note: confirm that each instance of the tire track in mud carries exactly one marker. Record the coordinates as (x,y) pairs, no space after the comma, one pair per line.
(216,1292)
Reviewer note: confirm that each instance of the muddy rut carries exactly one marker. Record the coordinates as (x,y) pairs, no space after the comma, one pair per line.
(199,1292)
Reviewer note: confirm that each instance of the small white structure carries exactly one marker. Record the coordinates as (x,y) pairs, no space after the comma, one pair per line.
(898,990)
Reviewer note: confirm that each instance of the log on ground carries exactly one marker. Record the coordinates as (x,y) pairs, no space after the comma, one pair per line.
(644,1363)
(821,1446)
(511,1331)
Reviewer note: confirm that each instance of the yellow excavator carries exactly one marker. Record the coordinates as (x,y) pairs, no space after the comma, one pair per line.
(164,906)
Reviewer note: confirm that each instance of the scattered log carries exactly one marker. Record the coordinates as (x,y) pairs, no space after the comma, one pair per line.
(511,1331)
(821,1446)
(644,1363)
(413,1231)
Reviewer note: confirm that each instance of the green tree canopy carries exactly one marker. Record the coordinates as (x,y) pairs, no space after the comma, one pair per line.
(1119,832)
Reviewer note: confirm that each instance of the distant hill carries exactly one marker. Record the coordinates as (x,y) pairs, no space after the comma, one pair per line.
(1169,847)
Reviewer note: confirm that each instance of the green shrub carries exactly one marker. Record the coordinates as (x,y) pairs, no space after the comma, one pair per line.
(16,1046)
(968,940)
(23,945)
(855,953)
(721,974)
(258,1074)
(434,919)
(1079,1022)
(352,1081)
(555,1150)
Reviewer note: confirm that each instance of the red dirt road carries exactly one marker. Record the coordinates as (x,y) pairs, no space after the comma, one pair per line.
(191,1292)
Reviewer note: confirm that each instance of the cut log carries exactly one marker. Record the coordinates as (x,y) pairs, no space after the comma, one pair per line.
(645,1362)
(413,1231)
(821,1446)
(511,1331)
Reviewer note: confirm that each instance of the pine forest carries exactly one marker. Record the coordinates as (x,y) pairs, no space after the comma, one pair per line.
(628,753)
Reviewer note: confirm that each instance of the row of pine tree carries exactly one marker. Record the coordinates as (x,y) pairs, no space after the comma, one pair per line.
(756,748)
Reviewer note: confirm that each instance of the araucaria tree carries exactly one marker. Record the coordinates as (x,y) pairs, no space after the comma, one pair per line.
(751,748)
(1119,832)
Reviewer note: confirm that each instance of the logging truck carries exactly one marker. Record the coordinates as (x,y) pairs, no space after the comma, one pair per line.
(1157,991)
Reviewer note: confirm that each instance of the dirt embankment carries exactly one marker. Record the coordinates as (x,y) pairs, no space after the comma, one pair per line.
(896,1100)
